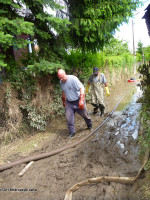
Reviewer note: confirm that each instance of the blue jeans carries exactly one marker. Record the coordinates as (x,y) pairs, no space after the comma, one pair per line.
(71,108)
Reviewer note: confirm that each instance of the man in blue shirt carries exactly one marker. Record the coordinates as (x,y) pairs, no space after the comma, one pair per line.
(73,97)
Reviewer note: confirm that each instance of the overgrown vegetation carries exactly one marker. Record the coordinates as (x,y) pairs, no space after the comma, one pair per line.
(94,22)
(35,116)
(142,53)
(114,56)
(145,112)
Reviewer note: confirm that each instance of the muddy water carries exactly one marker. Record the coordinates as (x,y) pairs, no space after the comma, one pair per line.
(112,151)
(129,91)
(121,132)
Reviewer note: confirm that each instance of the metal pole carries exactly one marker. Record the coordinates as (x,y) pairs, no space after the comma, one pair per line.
(133,37)
(133,47)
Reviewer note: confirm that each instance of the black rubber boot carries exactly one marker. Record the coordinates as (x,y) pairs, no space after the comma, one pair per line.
(102,108)
(95,110)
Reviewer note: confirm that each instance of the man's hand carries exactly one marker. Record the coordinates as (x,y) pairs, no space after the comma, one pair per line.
(81,101)
(63,99)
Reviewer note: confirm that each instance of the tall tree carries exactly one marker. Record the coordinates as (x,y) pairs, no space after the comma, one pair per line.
(11,25)
(94,22)
(140,47)
(87,24)
(140,52)
(147,53)
(29,17)
(116,47)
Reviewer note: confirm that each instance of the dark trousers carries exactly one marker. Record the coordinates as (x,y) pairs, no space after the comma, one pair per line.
(71,108)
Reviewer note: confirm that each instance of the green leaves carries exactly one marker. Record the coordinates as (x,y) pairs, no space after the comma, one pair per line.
(145,112)
(20,20)
(5,40)
(146,53)
(116,47)
(2,63)
(16,26)
(97,21)
(8,30)
(44,67)
(114,55)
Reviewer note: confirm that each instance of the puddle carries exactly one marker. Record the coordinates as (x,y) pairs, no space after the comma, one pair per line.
(129,92)
(121,132)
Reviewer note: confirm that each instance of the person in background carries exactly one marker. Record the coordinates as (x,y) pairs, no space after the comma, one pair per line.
(97,80)
(73,98)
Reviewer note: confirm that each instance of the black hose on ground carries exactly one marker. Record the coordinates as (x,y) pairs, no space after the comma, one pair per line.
(48,154)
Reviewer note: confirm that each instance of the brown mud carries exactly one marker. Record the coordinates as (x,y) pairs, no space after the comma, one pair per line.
(111,151)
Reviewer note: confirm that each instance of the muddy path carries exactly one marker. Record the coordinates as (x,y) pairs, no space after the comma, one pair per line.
(111,151)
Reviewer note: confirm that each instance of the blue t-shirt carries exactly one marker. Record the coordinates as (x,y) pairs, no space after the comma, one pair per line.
(71,88)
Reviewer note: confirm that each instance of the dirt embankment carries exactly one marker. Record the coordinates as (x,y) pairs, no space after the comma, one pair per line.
(112,151)
(18,111)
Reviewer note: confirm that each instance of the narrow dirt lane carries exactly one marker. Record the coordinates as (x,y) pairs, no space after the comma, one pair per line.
(112,151)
